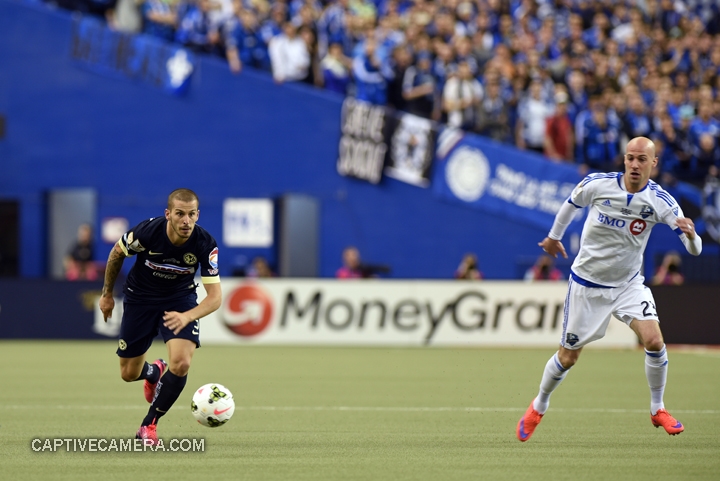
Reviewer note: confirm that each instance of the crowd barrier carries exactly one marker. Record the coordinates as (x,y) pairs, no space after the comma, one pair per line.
(361,313)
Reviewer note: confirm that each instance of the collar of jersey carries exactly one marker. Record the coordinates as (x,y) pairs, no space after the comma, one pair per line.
(621,184)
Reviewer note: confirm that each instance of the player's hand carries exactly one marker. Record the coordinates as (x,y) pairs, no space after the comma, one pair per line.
(687,226)
(107,304)
(553,247)
(176,321)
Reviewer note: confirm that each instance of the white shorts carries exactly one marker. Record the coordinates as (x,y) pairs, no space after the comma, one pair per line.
(588,310)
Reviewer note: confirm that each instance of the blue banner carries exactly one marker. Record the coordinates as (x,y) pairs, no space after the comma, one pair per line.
(66,311)
(135,57)
(498,179)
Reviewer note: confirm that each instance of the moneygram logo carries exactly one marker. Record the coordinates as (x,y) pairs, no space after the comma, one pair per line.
(248,310)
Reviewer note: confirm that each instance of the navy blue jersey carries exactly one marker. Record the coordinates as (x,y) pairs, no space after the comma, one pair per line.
(165,272)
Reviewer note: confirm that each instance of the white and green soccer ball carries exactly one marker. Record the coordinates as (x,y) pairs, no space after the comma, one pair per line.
(212,405)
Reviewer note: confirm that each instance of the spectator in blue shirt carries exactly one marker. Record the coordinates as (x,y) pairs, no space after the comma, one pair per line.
(465,18)
(675,149)
(336,69)
(703,124)
(595,36)
(371,84)
(196,28)
(243,43)
(273,26)
(706,157)
(637,120)
(601,139)
(332,27)
(159,19)
(576,92)
(669,17)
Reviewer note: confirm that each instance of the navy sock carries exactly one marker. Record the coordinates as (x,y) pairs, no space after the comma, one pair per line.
(168,390)
(150,372)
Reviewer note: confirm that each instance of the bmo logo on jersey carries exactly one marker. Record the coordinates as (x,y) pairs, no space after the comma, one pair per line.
(612,222)
(248,310)
(637,226)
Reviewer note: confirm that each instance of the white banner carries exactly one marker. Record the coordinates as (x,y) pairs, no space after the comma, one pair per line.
(248,222)
(384,312)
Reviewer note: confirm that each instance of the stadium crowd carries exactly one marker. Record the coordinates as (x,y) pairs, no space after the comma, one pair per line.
(569,78)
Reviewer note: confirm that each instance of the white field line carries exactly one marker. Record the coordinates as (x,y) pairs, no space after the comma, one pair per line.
(713,354)
(368,409)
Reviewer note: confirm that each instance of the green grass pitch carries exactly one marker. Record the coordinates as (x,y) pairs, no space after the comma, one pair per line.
(307,413)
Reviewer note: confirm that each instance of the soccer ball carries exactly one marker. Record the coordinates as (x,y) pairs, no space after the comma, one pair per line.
(212,405)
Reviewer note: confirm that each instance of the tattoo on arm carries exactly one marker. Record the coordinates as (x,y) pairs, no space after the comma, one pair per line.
(114,263)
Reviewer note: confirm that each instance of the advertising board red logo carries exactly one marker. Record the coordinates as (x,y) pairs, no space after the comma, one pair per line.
(637,226)
(248,310)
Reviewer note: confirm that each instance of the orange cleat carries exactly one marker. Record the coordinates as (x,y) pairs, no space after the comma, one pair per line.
(671,425)
(148,434)
(527,424)
(150,387)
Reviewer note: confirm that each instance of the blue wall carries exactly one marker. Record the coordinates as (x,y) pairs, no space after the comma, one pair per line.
(232,136)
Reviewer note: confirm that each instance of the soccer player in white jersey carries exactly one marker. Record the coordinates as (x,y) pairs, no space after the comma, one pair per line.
(605,277)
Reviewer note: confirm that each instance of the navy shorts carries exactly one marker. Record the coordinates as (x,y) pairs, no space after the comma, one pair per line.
(141,323)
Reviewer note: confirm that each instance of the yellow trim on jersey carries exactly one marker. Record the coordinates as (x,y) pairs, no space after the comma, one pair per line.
(122,246)
(211,280)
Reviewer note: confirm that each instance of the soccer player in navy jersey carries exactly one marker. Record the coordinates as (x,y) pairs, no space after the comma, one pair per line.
(160,297)
(605,278)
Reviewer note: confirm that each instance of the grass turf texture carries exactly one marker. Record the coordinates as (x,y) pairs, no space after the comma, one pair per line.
(363,414)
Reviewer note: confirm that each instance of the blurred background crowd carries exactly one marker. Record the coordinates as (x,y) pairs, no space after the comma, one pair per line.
(571,79)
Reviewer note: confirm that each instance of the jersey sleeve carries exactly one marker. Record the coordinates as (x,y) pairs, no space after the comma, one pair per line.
(582,194)
(562,220)
(131,241)
(669,215)
(209,267)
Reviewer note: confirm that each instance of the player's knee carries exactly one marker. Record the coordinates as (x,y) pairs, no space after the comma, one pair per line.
(654,342)
(180,367)
(568,358)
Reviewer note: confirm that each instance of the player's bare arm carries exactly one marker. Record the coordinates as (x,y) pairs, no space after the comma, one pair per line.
(176,321)
(553,247)
(114,264)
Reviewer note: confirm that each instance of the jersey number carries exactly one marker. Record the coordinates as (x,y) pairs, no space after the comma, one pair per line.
(646,309)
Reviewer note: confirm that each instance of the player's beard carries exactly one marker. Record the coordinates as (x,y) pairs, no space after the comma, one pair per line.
(182,233)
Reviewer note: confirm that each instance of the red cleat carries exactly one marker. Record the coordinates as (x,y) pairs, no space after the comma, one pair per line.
(148,434)
(671,425)
(527,424)
(150,387)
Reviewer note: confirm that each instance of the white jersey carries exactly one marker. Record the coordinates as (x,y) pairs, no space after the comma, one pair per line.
(618,227)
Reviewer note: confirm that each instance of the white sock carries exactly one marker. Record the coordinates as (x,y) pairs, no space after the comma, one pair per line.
(656,365)
(552,377)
